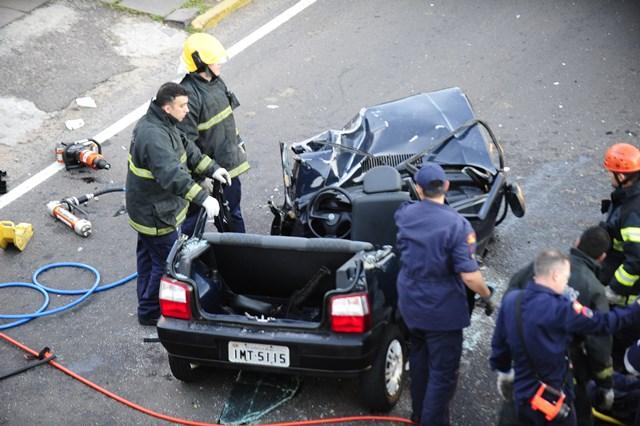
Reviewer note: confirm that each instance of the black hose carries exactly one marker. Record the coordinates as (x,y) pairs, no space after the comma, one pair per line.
(108,190)
(40,361)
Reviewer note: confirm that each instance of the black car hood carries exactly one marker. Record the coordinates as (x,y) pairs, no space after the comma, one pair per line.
(390,133)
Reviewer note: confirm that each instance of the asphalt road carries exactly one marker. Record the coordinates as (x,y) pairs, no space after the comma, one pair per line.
(557,81)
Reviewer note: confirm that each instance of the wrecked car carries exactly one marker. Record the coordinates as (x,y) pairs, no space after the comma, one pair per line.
(319,298)
(330,190)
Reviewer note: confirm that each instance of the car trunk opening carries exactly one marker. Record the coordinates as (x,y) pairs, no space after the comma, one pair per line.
(271,276)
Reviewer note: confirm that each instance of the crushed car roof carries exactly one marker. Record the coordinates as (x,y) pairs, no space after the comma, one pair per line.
(400,128)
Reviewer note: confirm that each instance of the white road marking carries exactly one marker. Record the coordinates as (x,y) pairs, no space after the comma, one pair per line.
(134,115)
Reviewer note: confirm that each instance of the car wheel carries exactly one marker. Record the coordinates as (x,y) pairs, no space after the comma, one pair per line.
(182,369)
(381,386)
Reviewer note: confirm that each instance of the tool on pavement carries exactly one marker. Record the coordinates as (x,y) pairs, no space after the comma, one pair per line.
(82,153)
(61,210)
(64,210)
(19,234)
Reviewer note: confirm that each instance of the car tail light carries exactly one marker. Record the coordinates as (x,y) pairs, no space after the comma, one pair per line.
(350,313)
(175,298)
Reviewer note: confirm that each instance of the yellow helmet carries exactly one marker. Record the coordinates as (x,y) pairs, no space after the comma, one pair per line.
(202,49)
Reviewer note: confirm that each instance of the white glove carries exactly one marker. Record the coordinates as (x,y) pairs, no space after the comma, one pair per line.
(614,298)
(505,384)
(212,207)
(604,398)
(222,175)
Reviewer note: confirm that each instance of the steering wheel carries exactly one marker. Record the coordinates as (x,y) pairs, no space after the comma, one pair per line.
(329,213)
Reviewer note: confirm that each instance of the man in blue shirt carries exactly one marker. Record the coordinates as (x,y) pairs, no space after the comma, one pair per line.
(533,332)
(437,247)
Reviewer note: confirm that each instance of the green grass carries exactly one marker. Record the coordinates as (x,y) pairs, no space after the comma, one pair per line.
(197,4)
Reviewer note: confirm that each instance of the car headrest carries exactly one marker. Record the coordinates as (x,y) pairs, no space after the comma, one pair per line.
(382,179)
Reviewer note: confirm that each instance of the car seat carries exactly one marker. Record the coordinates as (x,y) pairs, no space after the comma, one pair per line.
(372,212)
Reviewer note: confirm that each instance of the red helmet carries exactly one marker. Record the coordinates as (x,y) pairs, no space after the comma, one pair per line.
(622,158)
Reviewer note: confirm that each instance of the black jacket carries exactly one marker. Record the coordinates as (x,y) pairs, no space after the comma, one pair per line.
(211,124)
(621,268)
(159,183)
(583,279)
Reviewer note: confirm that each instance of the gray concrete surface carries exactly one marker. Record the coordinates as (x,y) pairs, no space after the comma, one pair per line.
(22,5)
(152,7)
(8,15)
(182,16)
(557,81)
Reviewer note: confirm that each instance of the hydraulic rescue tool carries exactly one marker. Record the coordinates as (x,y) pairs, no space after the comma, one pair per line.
(64,209)
(85,152)
(61,210)
(19,234)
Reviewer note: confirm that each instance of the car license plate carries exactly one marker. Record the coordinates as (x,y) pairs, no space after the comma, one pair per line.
(255,353)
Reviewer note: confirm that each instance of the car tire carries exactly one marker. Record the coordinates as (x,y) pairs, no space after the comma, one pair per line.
(182,369)
(382,385)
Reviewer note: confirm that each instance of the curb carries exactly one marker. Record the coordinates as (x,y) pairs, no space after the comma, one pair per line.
(214,15)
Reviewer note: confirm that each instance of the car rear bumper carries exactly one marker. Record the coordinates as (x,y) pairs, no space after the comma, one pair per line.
(316,353)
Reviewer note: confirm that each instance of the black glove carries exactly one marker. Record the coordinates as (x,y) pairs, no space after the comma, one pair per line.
(489,306)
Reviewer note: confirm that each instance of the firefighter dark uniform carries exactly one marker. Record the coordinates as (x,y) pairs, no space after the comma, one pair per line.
(590,354)
(548,322)
(621,268)
(159,189)
(210,122)
(436,244)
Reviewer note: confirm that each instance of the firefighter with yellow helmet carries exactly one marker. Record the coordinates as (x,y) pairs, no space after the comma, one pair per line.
(621,268)
(210,122)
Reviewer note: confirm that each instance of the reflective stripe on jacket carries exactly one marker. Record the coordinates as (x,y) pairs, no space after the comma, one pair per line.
(623,222)
(211,124)
(159,183)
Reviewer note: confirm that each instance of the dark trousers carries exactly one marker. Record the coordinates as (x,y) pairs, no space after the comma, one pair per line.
(582,375)
(152,255)
(232,195)
(535,418)
(434,361)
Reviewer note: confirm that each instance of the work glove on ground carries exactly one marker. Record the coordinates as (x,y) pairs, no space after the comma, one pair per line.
(212,207)
(604,398)
(505,384)
(207,185)
(222,176)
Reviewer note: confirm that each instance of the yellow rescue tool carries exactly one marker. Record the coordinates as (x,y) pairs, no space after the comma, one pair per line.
(19,234)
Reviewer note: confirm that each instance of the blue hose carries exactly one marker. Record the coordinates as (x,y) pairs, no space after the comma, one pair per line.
(40,312)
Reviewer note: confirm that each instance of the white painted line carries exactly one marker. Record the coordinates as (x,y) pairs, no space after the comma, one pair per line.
(134,115)
(30,183)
